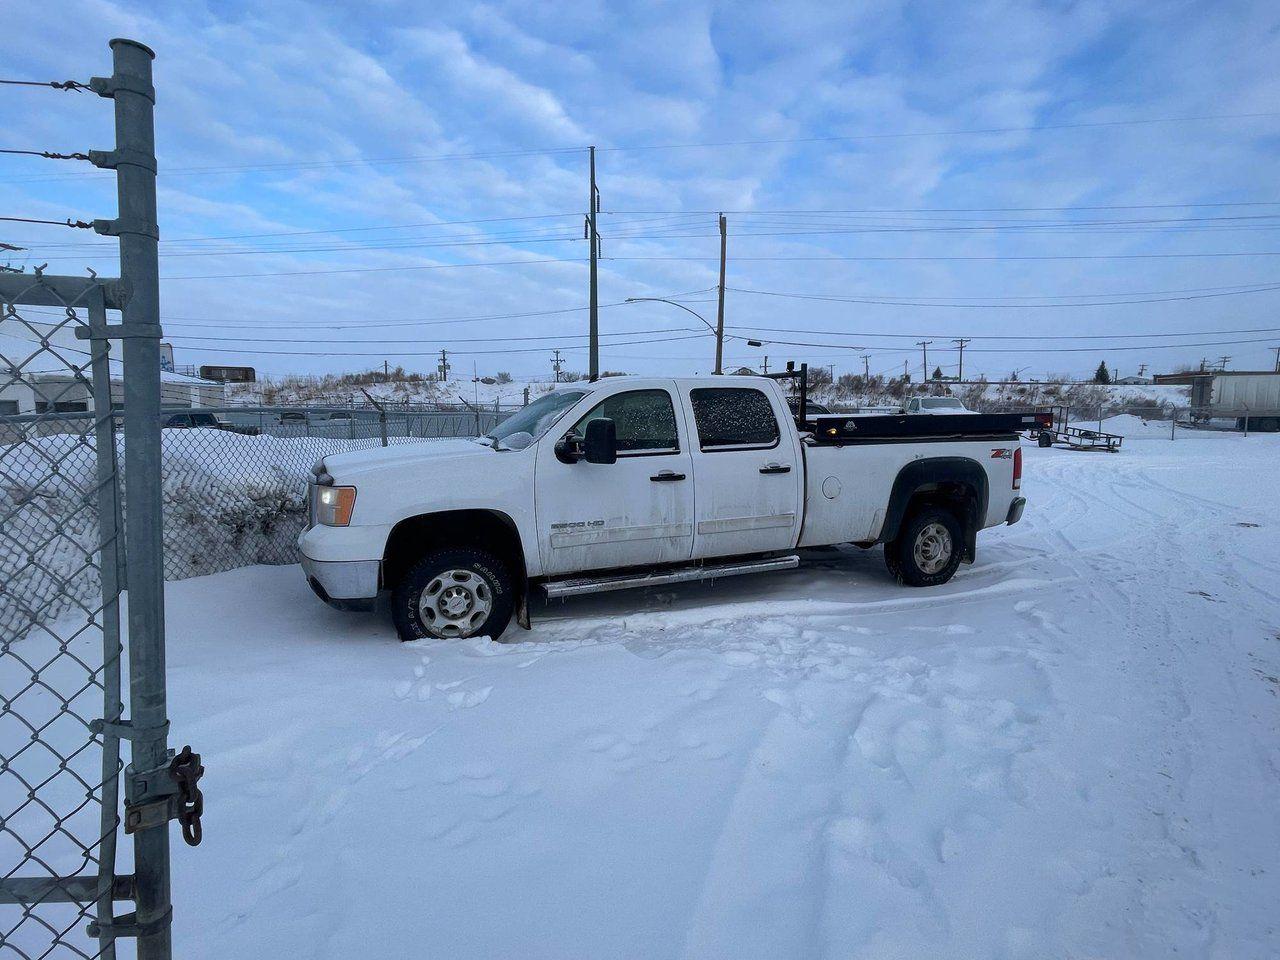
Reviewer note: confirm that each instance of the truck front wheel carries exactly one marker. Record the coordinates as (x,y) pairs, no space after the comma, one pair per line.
(928,548)
(453,593)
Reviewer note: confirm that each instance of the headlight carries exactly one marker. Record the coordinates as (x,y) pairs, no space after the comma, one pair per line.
(333,505)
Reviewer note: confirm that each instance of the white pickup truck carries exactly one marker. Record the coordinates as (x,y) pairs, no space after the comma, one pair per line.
(631,482)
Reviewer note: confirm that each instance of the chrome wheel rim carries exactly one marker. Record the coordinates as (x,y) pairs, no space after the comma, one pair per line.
(932,548)
(455,604)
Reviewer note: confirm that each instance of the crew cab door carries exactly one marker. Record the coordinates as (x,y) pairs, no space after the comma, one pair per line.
(636,511)
(748,469)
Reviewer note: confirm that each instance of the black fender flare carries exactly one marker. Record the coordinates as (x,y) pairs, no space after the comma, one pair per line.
(931,471)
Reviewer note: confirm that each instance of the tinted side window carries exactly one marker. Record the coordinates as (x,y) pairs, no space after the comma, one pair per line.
(733,417)
(645,421)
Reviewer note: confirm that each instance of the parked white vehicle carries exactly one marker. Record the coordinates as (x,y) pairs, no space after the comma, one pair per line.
(945,406)
(631,482)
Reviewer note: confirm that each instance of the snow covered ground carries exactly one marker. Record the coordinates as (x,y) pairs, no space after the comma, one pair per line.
(1071,750)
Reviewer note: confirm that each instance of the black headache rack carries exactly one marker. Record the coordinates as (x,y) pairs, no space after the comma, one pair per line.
(835,428)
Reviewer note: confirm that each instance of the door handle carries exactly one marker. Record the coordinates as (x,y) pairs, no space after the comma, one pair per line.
(776,468)
(666,476)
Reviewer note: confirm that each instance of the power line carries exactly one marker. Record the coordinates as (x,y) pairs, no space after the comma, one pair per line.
(387,226)
(540,237)
(503,339)
(876,210)
(505,263)
(428,266)
(335,163)
(383,353)
(671,214)
(996,306)
(1106,336)
(1064,256)
(203,323)
(1109,349)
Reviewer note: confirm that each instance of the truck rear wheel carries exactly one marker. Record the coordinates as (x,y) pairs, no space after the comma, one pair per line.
(928,548)
(451,594)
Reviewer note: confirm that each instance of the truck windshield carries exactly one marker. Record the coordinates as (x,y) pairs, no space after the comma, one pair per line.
(537,418)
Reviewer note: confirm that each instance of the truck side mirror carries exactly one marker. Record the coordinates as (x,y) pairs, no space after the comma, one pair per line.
(601,443)
(568,449)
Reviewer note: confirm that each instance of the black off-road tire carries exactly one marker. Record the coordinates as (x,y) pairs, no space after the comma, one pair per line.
(900,553)
(497,580)
(1045,440)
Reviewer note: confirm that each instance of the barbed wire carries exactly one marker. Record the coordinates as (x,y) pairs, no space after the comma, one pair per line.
(47,154)
(55,84)
(76,224)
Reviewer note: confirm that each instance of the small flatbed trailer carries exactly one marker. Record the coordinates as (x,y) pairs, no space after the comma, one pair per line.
(1060,430)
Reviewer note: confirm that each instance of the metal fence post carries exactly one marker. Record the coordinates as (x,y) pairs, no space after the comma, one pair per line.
(134,159)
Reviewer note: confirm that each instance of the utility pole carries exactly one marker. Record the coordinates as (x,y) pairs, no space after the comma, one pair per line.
(386,372)
(1277,350)
(1222,362)
(556,363)
(593,236)
(443,366)
(960,342)
(1142,368)
(924,346)
(724,240)
(766,363)
(906,373)
(866,368)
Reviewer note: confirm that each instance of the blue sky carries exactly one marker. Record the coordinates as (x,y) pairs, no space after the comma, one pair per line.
(864,183)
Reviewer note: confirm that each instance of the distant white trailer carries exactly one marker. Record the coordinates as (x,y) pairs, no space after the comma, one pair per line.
(1255,396)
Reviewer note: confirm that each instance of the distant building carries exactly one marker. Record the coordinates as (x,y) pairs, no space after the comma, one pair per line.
(38,379)
(1132,381)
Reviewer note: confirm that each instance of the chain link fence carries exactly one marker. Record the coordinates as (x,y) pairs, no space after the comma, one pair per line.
(60,624)
(235,478)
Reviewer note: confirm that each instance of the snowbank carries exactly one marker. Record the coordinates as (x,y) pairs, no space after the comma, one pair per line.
(229,501)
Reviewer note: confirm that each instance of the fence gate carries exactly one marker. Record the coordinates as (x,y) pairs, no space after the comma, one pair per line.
(79,524)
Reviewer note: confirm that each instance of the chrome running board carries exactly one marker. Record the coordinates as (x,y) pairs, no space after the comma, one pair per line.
(709,571)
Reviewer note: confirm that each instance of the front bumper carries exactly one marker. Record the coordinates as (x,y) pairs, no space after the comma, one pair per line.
(343,584)
(1015,510)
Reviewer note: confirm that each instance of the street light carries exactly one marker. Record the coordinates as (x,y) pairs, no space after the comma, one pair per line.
(675,303)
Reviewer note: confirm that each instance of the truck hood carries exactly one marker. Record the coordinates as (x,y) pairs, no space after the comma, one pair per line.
(350,467)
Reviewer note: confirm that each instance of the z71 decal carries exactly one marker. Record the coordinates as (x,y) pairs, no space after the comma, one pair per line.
(1002,453)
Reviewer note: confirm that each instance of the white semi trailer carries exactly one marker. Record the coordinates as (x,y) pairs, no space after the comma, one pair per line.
(1239,396)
